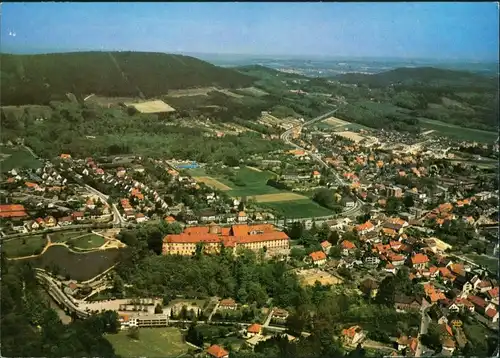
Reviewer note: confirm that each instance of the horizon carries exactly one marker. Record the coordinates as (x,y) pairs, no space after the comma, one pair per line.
(456,32)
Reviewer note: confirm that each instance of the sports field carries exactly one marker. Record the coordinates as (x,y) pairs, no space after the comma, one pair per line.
(309,277)
(271,198)
(213,183)
(152,342)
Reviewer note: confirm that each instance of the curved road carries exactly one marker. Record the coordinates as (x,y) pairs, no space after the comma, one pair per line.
(354,211)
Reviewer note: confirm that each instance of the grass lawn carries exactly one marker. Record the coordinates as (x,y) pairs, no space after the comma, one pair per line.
(298,208)
(23,246)
(460,133)
(488,262)
(63,236)
(90,241)
(152,342)
(255,183)
(17,158)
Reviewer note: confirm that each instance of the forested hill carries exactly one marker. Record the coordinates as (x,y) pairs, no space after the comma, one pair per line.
(38,79)
(420,75)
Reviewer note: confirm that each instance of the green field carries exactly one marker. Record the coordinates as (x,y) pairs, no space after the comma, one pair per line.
(63,236)
(90,241)
(23,246)
(298,208)
(152,342)
(254,182)
(17,158)
(488,262)
(456,132)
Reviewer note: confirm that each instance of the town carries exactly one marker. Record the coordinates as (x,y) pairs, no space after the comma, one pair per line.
(388,212)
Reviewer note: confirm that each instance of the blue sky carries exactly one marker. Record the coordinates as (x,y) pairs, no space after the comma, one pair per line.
(467,31)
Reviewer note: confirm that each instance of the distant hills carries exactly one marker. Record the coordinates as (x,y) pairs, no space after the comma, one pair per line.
(38,79)
(418,75)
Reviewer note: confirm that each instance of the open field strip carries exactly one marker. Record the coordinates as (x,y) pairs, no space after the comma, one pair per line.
(271,198)
(335,122)
(253,168)
(152,342)
(214,183)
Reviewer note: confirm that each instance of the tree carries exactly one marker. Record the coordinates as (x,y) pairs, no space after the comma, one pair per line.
(295,230)
(408,201)
(334,237)
(133,333)
(158,309)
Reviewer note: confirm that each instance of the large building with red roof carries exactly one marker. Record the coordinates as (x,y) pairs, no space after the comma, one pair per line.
(213,237)
(12,211)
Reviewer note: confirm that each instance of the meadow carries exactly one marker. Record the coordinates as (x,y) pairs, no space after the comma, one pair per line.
(152,342)
(87,242)
(17,158)
(459,133)
(23,246)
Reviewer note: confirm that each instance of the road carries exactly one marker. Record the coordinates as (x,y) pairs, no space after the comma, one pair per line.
(118,220)
(354,211)
(58,295)
(424,326)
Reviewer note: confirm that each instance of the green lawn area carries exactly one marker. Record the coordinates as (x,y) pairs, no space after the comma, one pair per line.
(488,262)
(255,183)
(17,158)
(460,133)
(23,246)
(90,241)
(152,342)
(298,208)
(63,236)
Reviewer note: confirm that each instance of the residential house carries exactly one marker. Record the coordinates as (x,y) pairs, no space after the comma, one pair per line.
(395,259)
(228,304)
(77,215)
(492,314)
(364,228)
(65,221)
(242,217)
(280,315)
(318,258)
(419,261)
(436,314)
(353,336)
(140,217)
(326,246)
(50,221)
(254,330)
(347,247)
(405,303)
(371,260)
(217,351)
(479,303)
(32,225)
(316,175)
(493,295)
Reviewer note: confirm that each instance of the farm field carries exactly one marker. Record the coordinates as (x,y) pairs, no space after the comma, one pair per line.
(211,182)
(81,266)
(461,133)
(298,208)
(254,183)
(152,342)
(26,246)
(17,158)
(90,241)
(278,197)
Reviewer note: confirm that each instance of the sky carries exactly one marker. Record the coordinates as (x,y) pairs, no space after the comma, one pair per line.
(446,31)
